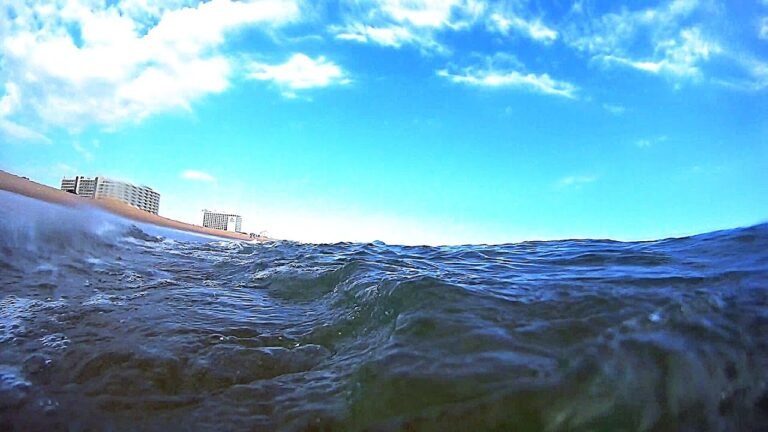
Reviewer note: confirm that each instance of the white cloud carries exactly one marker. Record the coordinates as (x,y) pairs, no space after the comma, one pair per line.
(651,40)
(197,176)
(391,35)
(674,40)
(679,57)
(762,33)
(707,169)
(758,72)
(9,129)
(648,142)
(614,109)
(300,72)
(535,29)
(575,181)
(87,155)
(395,23)
(682,56)
(130,60)
(16,131)
(491,77)
(751,73)
(62,169)
(615,33)
(422,13)
(10,100)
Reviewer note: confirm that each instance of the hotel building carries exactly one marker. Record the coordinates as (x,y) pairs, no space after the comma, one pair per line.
(141,197)
(222,221)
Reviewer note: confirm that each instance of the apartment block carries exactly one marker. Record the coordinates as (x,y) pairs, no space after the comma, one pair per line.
(142,197)
(222,221)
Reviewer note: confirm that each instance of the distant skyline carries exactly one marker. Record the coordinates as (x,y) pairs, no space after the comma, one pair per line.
(411,122)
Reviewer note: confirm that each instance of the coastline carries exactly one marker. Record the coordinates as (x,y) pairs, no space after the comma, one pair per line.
(18,185)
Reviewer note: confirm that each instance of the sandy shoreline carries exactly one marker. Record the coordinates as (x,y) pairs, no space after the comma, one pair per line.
(21,186)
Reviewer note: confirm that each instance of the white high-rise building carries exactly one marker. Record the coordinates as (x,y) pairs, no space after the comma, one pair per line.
(80,185)
(222,221)
(142,197)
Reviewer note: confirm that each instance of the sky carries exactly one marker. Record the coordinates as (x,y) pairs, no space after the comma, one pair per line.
(409,122)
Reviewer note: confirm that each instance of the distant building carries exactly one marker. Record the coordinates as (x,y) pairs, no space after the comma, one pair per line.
(141,197)
(222,221)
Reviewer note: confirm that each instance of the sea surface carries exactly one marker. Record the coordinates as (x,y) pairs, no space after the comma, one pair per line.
(110,326)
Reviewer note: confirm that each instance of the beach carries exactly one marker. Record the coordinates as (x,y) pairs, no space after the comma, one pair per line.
(23,186)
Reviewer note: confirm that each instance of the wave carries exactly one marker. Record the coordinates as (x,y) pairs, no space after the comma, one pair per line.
(105,324)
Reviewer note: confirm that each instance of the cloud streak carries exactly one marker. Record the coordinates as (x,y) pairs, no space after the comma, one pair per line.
(534,29)
(18,132)
(538,83)
(396,23)
(195,175)
(87,155)
(615,109)
(762,32)
(575,181)
(9,104)
(680,57)
(648,142)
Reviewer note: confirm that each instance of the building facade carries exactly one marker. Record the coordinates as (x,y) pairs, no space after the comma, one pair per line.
(141,197)
(222,221)
(69,185)
(80,185)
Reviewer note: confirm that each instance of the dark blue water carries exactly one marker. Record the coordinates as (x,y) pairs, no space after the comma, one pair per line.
(108,326)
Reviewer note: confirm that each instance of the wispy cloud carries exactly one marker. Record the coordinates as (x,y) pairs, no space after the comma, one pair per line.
(750,73)
(82,150)
(575,181)
(10,100)
(9,104)
(707,169)
(664,40)
(614,109)
(63,169)
(679,57)
(396,23)
(491,77)
(423,23)
(18,132)
(533,29)
(300,72)
(126,62)
(195,175)
(648,142)
(672,40)
(615,33)
(386,35)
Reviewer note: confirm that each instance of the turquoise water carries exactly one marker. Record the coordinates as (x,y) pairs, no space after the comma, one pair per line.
(109,326)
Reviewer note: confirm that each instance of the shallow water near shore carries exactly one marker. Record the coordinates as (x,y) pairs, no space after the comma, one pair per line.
(105,325)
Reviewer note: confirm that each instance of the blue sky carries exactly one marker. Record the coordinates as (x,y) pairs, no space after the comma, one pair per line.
(411,122)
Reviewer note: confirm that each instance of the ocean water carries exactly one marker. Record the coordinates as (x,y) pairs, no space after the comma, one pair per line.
(105,325)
